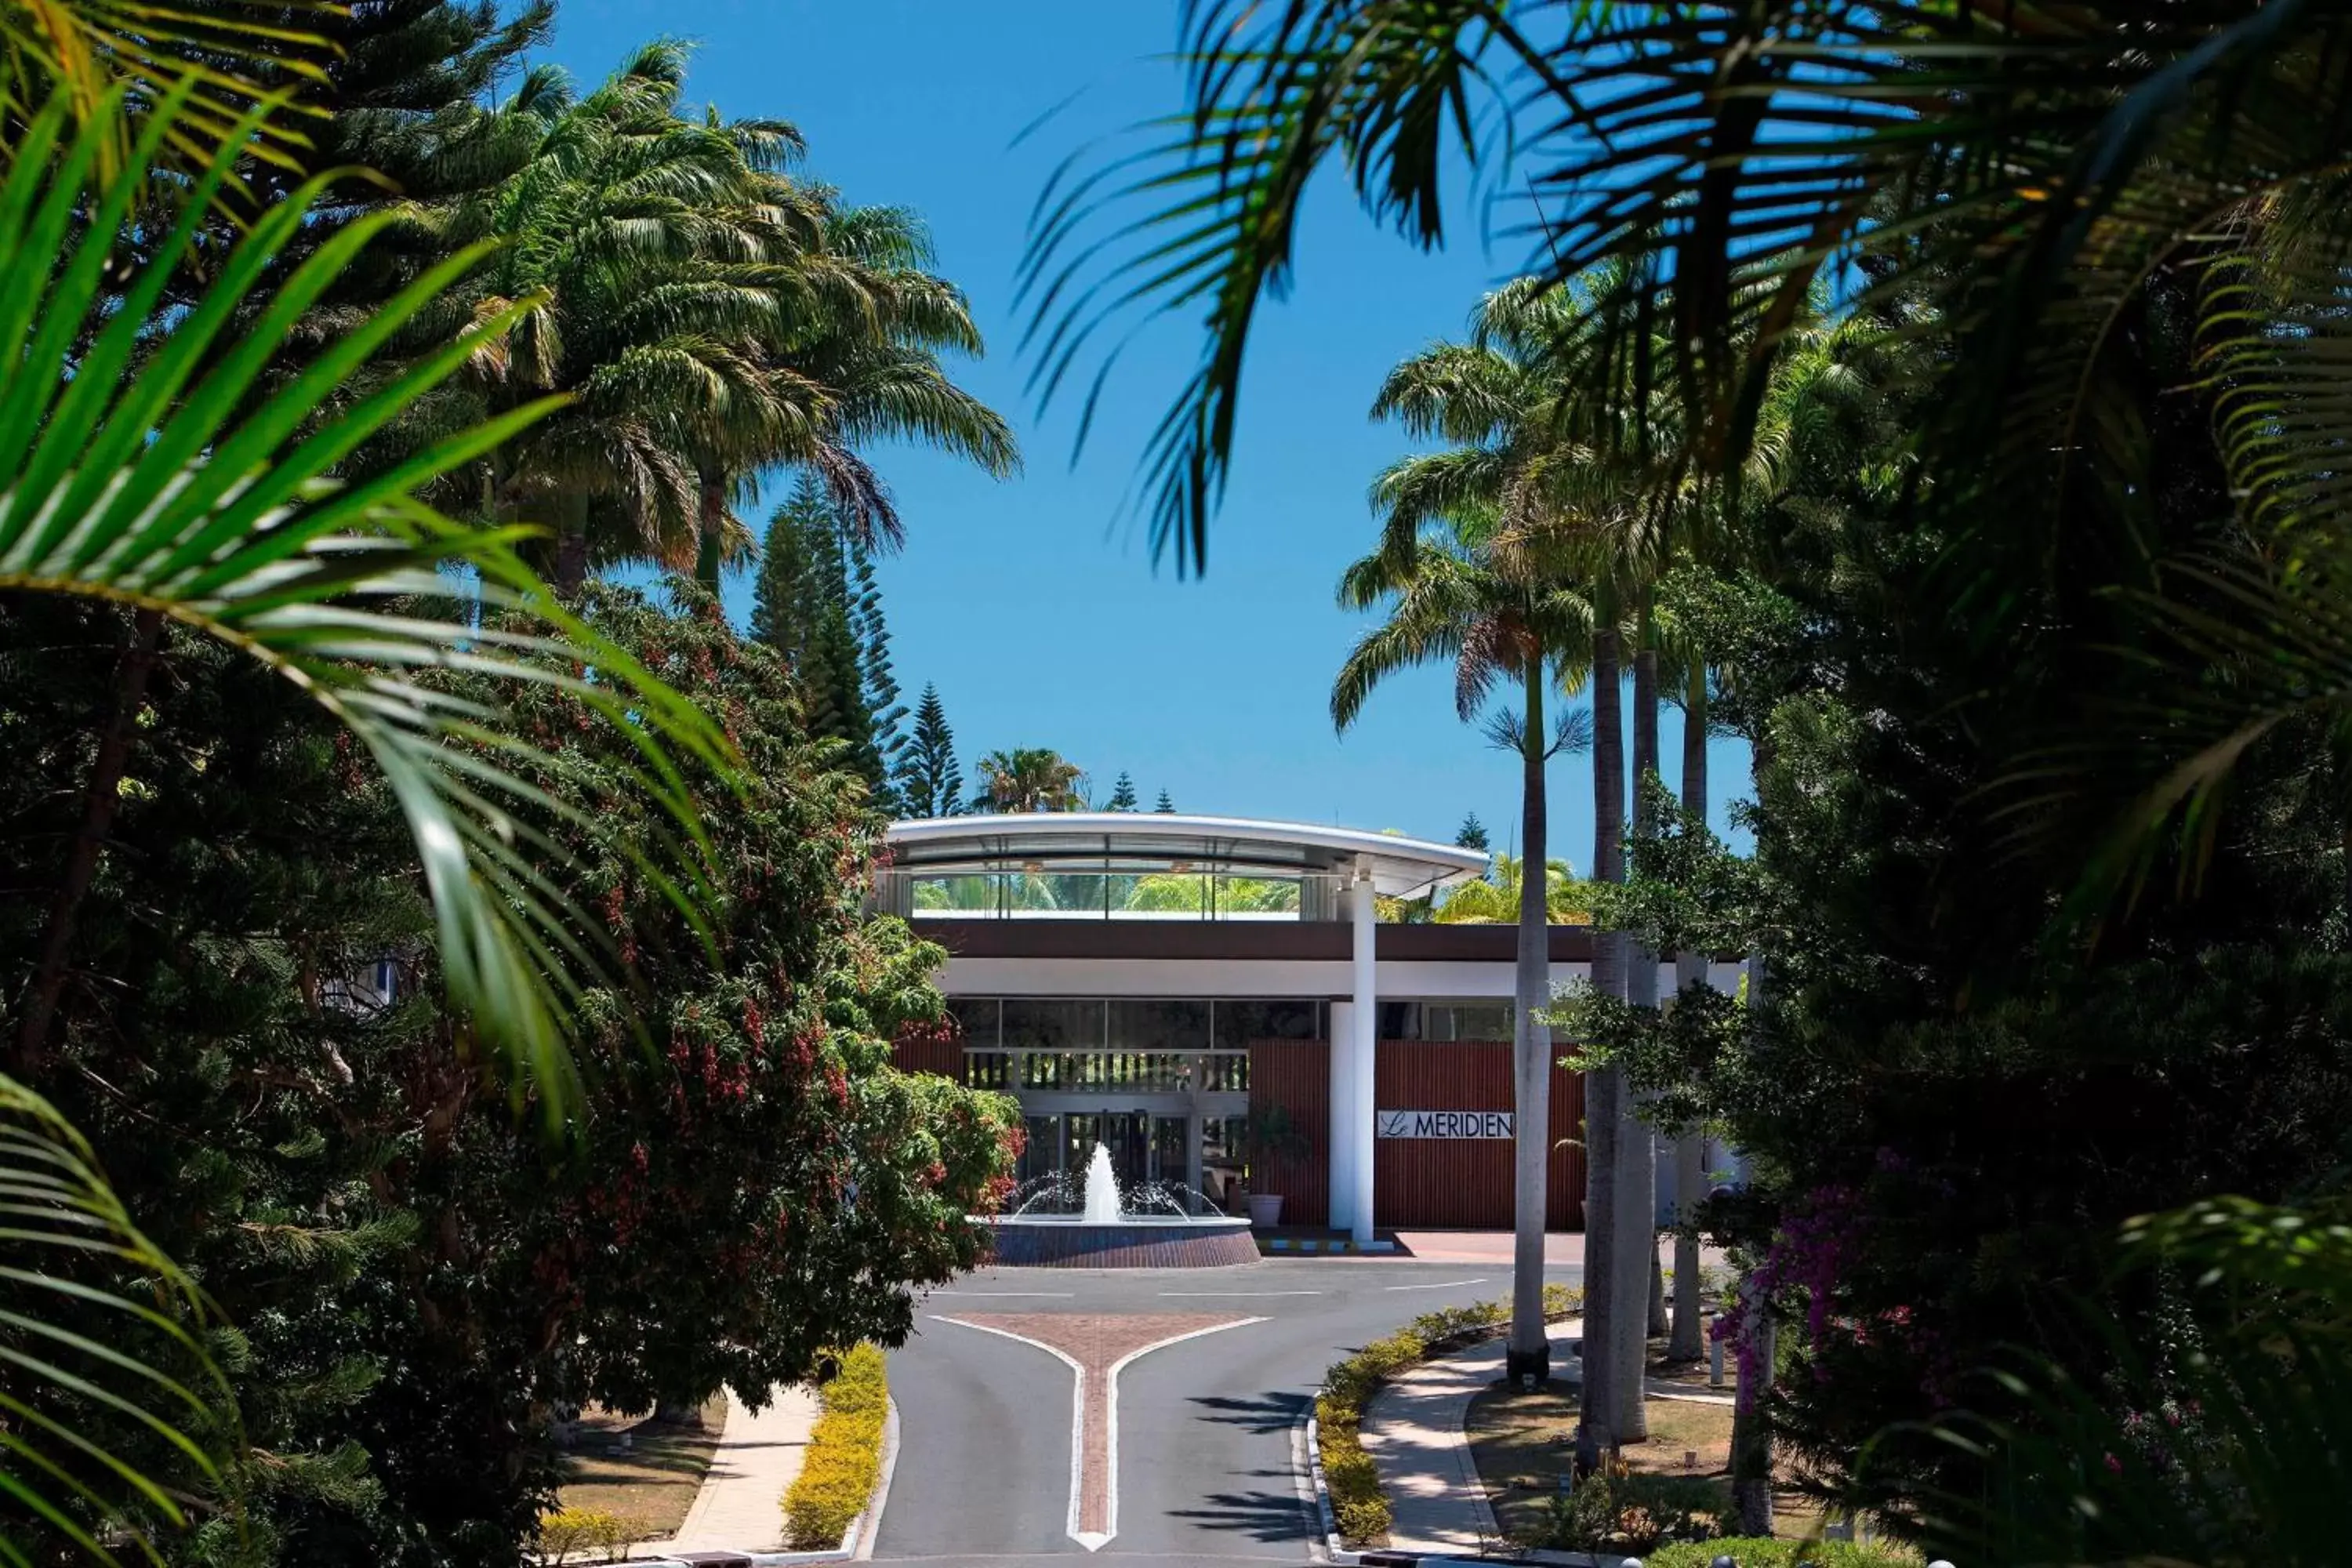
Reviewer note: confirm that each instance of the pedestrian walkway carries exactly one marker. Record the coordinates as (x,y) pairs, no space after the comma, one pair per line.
(1413,1431)
(740,1505)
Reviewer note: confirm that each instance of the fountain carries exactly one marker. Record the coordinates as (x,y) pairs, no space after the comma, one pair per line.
(1107,1233)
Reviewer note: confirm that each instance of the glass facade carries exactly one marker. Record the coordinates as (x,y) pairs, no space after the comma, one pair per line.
(1161,1082)
(1445,1021)
(1114,894)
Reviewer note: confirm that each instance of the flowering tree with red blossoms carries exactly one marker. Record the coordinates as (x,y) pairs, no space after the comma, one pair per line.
(416,1273)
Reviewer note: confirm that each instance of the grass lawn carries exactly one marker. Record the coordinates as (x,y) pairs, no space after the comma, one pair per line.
(654,1480)
(1522,1445)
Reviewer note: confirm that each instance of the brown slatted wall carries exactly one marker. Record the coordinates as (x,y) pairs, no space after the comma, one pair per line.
(1467,1183)
(1434,1183)
(1297,1076)
(927,1051)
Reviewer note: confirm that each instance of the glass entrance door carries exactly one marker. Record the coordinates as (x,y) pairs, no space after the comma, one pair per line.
(1123,1133)
(1144,1148)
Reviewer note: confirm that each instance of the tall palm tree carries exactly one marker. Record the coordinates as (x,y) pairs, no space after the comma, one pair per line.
(1497,617)
(2067,162)
(1032,778)
(714,316)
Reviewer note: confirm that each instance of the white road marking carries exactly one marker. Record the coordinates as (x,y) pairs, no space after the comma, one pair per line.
(1094,1541)
(1110,1508)
(1241,1292)
(1077,1416)
(1448,1285)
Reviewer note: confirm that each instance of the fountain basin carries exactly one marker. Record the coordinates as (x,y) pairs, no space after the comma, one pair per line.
(1131,1241)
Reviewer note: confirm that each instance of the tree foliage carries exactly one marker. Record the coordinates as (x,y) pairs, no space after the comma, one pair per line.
(929,783)
(410,1279)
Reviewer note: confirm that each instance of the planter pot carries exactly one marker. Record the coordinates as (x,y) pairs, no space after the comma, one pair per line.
(1266,1210)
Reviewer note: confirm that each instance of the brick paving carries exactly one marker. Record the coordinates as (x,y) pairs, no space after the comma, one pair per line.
(1095,1340)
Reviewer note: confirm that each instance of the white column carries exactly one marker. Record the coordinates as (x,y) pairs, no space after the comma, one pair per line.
(1366,1036)
(1338,1164)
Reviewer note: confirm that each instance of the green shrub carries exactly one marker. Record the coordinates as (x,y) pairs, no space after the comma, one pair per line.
(1625,1511)
(565,1533)
(1358,1509)
(1756,1552)
(845,1454)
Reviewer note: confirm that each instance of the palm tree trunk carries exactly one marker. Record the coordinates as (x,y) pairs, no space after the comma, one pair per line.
(1751,1431)
(1529,1353)
(1595,1432)
(571,546)
(1637,1149)
(47,984)
(1688,1342)
(711,523)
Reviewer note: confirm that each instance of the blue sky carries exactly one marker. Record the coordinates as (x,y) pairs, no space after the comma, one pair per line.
(1033,602)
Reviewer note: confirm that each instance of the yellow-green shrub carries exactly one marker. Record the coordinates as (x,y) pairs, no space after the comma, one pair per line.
(1359,1508)
(565,1530)
(845,1454)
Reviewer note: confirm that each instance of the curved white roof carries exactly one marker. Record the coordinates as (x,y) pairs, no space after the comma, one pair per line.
(1146,841)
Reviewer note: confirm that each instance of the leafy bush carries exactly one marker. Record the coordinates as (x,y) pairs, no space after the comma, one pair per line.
(845,1454)
(585,1531)
(1619,1511)
(1358,1509)
(1758,1552)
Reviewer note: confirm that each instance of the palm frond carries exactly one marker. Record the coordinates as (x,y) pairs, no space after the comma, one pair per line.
(156,481)
(93,1318)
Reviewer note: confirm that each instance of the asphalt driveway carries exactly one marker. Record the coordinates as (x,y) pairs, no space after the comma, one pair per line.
(1198,1461)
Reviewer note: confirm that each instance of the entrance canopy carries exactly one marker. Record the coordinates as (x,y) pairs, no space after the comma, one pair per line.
(1157,843)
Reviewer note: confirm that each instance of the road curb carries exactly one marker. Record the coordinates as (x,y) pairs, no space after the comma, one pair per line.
(1332,1550)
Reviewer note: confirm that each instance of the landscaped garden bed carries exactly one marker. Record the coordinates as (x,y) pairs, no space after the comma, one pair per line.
(1359,1508)
(628,1477)
(845,1454)
(1673,1486)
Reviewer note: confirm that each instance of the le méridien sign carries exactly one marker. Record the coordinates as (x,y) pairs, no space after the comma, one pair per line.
(1444,1123)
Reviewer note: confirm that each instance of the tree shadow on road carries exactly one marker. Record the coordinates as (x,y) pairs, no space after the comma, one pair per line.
(1262,1414)
(1273,1513)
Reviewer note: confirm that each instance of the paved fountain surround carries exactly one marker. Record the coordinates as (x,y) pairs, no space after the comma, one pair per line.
(1104,1237)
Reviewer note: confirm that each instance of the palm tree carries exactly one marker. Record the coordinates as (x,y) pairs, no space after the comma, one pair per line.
(2066,165)
(1032,778)
(139,471)
(1494,899)
(1496,617)
(714,318)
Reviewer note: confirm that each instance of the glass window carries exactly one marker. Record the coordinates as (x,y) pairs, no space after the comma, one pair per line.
(988,1070)
(1227,1072)
(975,1018)
(1241,898)
(1467,1021)
(1053,1025)
(1158,1026)
(1221,1160)
(1041,1155)
(1239,1023)
(1400,1021)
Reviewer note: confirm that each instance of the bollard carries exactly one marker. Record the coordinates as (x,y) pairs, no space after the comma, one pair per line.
(1715,1359)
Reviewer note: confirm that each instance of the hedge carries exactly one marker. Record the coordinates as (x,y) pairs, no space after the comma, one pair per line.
(1759,1551)
(844,1456)
(1359,1508)
(564,1531)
